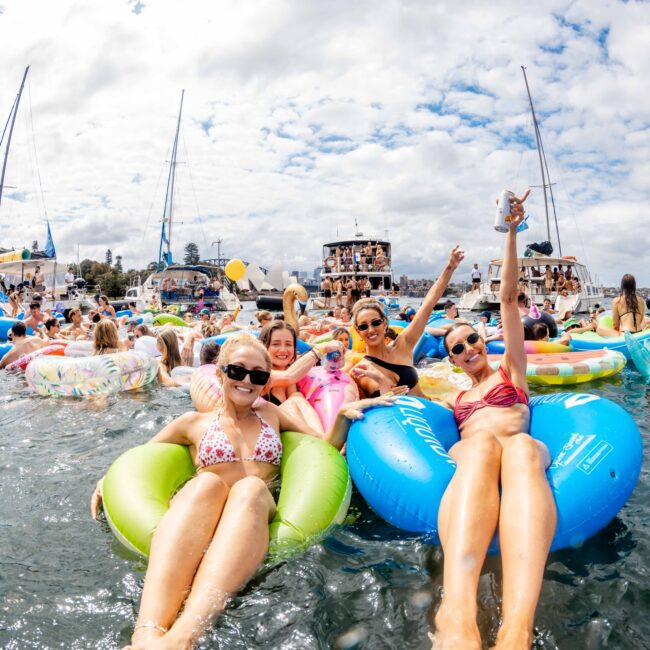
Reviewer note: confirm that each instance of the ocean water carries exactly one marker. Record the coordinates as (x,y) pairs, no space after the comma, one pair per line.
(66,583)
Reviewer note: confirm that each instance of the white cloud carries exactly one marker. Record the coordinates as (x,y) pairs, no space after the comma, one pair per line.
(300,117)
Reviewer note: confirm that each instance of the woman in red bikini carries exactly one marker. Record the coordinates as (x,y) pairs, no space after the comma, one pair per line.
(215,533)
(499,483)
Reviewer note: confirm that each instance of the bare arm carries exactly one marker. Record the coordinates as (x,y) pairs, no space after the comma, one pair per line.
(299,368)
(616,319)
(350,412)
(414,331)
(513,329)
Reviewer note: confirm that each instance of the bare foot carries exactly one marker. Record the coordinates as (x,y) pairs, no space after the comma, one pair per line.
(455,632)
(155,639)
(513,639)
(169,641)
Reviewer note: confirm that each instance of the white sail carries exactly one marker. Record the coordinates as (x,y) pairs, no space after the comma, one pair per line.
(255,275)
(275,279)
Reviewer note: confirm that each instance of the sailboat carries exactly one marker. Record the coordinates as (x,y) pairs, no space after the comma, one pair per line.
(184,287)
(22,268)
(586,294)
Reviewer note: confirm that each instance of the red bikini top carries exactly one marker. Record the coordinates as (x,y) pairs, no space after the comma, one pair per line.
(502,395)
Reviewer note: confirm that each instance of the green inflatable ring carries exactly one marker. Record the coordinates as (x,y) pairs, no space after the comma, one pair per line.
(164,319)
(315,492)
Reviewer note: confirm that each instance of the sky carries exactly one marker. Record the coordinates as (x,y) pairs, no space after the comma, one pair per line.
(301,116)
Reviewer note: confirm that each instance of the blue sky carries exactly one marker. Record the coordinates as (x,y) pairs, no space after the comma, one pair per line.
(300,117)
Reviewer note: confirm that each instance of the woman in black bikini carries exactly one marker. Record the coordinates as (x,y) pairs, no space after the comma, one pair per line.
(387,365)
(628,310)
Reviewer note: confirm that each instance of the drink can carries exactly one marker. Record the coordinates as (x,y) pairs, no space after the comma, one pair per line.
(502,217)
(333,360)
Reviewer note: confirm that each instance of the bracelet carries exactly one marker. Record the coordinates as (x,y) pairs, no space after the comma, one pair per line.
(318,357)
(151,626)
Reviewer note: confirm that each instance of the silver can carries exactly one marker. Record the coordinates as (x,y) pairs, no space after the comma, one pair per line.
(502,217)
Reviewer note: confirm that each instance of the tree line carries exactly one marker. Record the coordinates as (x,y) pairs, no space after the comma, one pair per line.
(114,280)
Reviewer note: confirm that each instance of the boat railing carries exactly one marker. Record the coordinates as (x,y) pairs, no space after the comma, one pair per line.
(362,264)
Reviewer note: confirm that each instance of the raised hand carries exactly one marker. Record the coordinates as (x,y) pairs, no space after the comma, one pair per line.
(517,211)
(456,256)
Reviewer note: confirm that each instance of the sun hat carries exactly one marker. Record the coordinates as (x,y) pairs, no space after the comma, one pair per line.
(572,322)
(205,311)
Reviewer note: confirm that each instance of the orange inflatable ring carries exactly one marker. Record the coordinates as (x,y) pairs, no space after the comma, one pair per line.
(330,262)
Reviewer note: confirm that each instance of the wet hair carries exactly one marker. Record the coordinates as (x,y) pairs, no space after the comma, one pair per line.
(368,303)
(19,329)
(279,317)
(448,304)
(209,352)
(262,315)
(521,297)
(143,330)
(169,341)
(539,331)
(72,312)
(266,333)
(105,339)
(96,318)
(51,322)
(628,291)
(34,305)
(453,328)
(132,304)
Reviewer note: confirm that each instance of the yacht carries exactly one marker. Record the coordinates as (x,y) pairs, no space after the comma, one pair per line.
(187,287)
(360,256)
(584,295)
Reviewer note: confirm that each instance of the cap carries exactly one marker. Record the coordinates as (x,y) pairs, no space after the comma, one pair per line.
(205,311)
(572,322)
(485,314)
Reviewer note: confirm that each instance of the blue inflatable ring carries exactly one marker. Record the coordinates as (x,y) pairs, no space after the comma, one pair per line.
(398,461)
(302,346)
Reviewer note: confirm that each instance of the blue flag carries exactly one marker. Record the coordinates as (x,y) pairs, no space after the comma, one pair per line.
(49,249)
(523,225)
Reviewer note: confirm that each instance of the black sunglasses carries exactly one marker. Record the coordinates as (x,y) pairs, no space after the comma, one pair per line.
(460,347)
(238,373)
(362,327)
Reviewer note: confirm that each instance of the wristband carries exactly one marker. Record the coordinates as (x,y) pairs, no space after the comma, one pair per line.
(318,358)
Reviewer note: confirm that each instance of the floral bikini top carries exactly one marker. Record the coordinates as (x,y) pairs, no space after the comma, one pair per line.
(215,446)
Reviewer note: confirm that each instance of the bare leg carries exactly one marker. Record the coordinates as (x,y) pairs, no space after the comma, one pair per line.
(238,547)
(526,527)
(466,523)
(299,408)
(176,551)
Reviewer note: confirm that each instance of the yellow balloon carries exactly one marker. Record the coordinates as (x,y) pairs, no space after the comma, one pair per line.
(235,270)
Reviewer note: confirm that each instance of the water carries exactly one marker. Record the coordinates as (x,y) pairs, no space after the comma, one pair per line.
(65,582)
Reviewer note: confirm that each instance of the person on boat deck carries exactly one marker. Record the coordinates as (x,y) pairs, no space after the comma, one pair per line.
(387,365)
(106,339)
(548,279)
(280,339)
(499,482)
(476,278)
(560,283)
(38,282)
(628,310)
(36,316)
(15,304)
(210,542)
(22,344)
(106,310)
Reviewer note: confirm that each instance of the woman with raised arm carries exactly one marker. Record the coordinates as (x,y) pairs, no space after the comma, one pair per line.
(387,365)
(499,482)
(215,534)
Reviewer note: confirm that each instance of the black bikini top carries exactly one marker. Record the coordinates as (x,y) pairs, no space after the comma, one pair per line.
(406,375)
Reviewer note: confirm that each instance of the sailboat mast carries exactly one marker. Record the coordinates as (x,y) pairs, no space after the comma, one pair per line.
(11,130)
(168,210)
(539,153)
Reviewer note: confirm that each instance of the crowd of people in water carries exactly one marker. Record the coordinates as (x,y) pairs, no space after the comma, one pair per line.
(215,534)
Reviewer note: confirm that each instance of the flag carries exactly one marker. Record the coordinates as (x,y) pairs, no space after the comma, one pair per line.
(523,225)
(49,249)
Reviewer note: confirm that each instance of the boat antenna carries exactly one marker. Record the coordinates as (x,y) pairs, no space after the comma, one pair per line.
(11,130)
(165,259)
